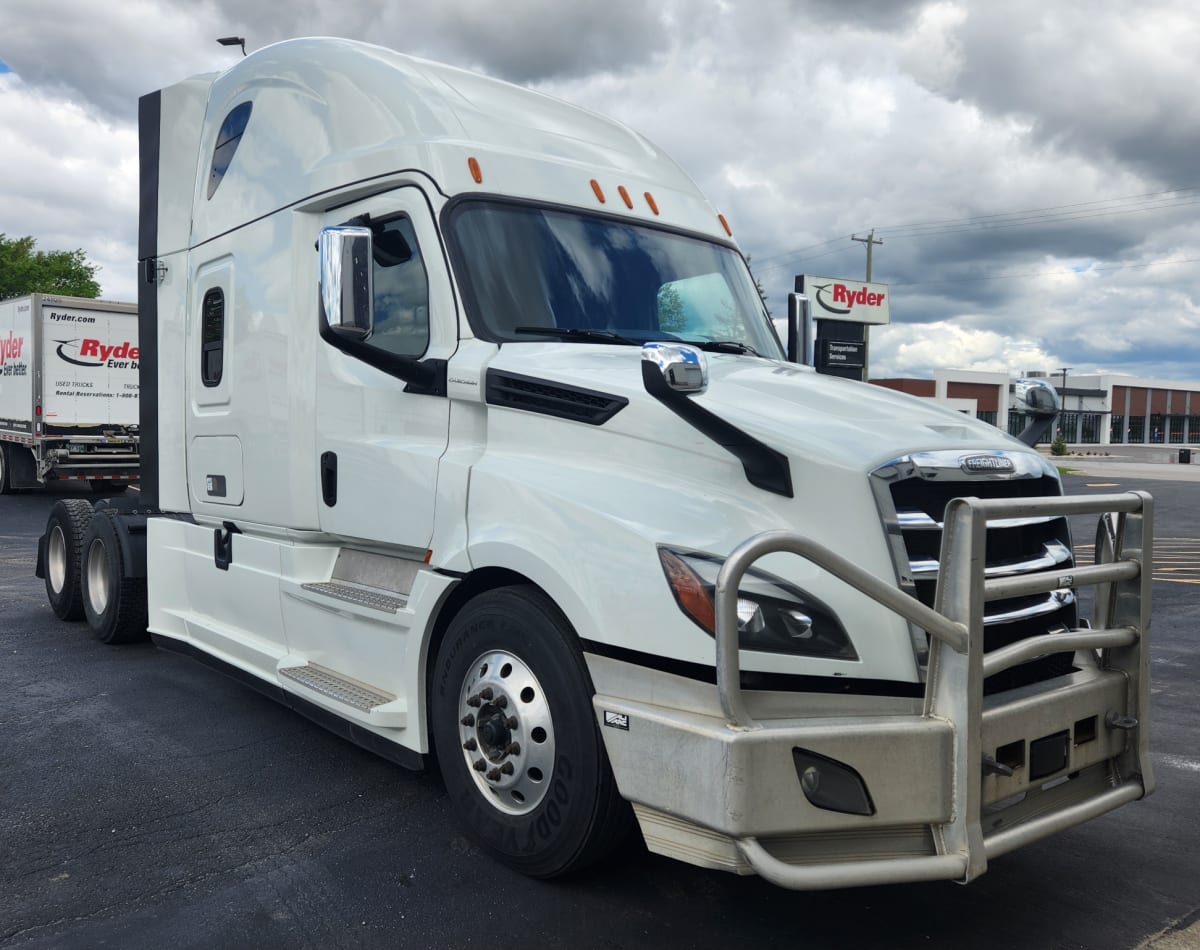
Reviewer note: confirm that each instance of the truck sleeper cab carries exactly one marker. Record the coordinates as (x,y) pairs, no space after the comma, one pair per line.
(466,431)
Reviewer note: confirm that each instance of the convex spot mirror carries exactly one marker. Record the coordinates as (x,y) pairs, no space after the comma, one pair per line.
(684,367)
(1036,396)
(347,294)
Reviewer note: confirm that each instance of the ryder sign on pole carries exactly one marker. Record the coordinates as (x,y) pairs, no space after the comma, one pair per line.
(835,298)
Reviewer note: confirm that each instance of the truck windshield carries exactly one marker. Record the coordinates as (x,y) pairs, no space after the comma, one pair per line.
(589,279)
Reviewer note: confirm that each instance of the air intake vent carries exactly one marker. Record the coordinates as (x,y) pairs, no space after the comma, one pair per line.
(551,399)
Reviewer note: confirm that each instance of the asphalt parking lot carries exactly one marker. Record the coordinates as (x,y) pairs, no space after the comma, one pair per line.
(146,801)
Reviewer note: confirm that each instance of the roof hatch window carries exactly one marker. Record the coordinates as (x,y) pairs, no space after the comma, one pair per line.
(228,140)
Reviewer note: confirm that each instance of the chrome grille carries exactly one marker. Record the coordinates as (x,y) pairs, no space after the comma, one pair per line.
(912,493)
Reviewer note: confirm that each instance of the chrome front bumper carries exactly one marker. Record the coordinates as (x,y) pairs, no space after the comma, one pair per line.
(965,779)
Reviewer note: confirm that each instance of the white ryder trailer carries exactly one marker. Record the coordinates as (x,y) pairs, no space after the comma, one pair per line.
(465,430)
(68,391)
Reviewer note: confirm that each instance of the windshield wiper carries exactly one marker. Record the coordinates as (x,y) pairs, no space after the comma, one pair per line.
(583,336)
(723,346)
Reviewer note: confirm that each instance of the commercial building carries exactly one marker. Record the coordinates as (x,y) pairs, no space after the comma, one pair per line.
(1098,409)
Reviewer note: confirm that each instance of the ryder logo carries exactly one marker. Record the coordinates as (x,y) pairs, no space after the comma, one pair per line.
(94,353)
(10,347)
(843,299)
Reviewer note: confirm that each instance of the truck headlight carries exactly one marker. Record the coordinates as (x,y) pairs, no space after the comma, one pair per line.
(774,616)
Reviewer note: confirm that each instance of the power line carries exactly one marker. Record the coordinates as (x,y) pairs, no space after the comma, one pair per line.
(780,264)
(1033,220)
(1047,273)
(1040,212)
(800,250)
(1051,214)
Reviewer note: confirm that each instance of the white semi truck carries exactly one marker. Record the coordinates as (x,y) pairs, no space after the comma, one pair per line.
(68,391)
(466,434)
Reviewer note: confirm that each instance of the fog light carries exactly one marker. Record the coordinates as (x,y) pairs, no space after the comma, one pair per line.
(832,785)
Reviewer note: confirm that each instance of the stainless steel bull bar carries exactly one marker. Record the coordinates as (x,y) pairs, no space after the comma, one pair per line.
(958,666)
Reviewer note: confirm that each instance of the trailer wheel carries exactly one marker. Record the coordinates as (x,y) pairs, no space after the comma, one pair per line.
(65,530)
(516,736)
(113,602)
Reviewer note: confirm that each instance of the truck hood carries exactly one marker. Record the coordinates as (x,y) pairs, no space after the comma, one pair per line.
(791,408)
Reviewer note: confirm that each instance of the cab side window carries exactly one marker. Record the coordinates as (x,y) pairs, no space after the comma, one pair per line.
(401,290)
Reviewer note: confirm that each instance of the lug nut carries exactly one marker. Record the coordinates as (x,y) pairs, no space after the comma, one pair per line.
(486,693)
(470,745)
(475,702)
(511,722)
(493,775)
(479,765)
(514,748)
(502,701)
(506,769)
(467,720)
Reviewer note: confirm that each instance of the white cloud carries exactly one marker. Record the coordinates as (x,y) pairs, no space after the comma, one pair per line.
(72,181)
(803,121)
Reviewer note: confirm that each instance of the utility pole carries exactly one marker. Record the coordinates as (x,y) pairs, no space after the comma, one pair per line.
(869,241)
(1063,420)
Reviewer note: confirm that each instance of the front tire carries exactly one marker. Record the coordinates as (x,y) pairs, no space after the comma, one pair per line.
(113,602)
(516,736)
(5,474)
(65,530)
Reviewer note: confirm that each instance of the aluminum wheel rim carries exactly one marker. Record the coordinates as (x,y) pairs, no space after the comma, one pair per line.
(56,559)
(506,732)
(97,577)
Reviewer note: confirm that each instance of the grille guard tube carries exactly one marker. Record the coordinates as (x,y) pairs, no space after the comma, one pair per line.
(954,687)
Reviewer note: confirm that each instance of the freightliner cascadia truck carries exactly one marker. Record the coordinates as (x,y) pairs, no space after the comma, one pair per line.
(466,434)
(68,392)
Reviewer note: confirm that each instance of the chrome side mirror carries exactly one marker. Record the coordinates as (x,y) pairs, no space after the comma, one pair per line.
(684,367)
(1036,396)
(347,293)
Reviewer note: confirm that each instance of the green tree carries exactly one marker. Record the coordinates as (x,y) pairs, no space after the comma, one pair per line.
(24,270)
(758,286)
(671,316)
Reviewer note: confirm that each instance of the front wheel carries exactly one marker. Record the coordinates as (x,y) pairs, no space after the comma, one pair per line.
(516,737)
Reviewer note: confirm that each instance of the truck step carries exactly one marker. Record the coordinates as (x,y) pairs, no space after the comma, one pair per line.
(328,683)
(357,594)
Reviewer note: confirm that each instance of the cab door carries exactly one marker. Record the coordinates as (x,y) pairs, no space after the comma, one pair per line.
(379,438)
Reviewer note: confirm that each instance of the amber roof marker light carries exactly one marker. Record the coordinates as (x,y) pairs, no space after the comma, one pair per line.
(725,224)
(625,197)
(652,203)
(598,191)
(476,171)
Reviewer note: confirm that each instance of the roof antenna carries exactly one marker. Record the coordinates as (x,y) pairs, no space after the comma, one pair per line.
(233,41)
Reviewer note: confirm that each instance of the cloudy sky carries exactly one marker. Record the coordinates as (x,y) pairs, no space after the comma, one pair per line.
(1031,166)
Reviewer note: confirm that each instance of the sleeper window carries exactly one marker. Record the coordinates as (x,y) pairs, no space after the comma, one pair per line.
(228,139)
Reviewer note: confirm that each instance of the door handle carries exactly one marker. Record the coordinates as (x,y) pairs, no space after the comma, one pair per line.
(329,478)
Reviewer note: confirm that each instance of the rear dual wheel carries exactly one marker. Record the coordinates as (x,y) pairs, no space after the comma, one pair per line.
(113,602)
(516,736)
(65,530)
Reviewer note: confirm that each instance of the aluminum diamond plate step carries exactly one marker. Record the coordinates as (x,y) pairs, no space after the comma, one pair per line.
(356,594)
(328,683)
